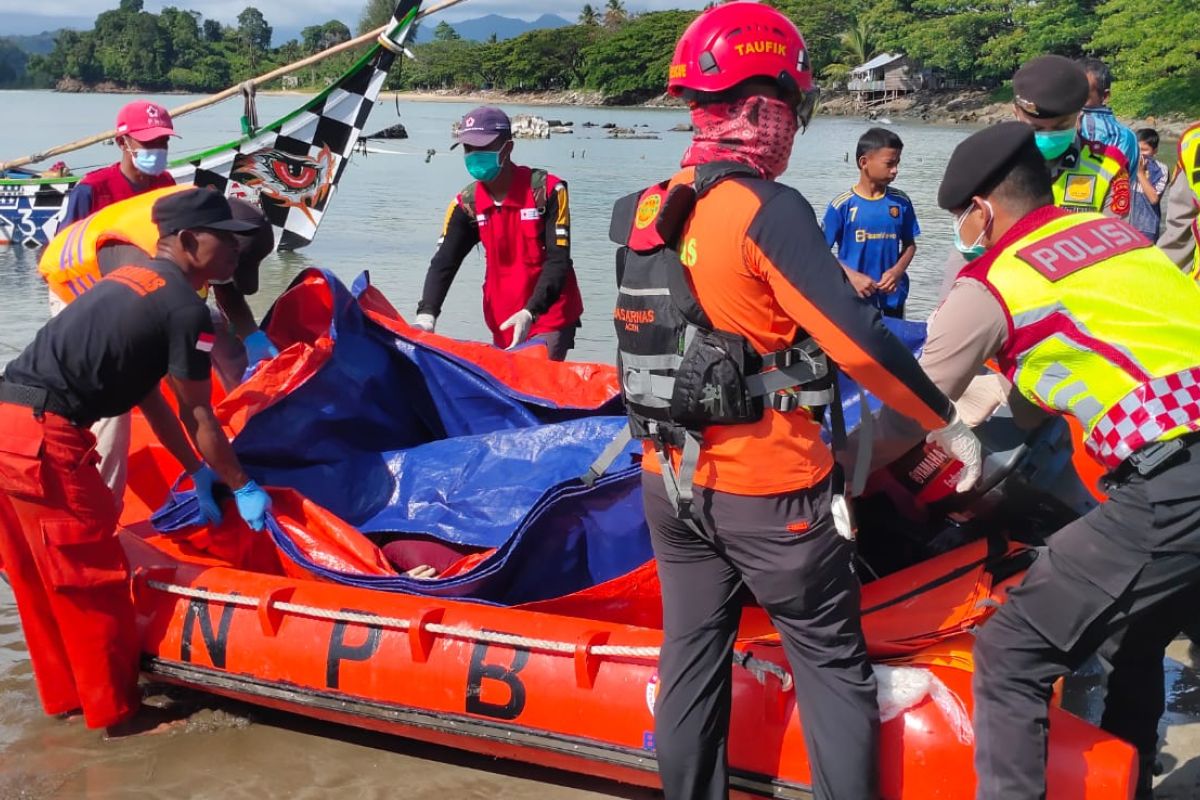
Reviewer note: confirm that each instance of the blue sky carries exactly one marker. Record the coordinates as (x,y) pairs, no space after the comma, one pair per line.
(51,14)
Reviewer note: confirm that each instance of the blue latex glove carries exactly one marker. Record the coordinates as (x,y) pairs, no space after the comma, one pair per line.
(258,347)
(253,504)
(204,479)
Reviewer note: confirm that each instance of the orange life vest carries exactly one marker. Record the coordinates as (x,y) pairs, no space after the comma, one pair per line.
(70,265)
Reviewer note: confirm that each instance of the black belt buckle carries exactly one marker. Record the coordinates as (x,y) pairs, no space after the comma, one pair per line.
(1153,457)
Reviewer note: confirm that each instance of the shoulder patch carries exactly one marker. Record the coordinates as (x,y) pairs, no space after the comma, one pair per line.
(841,199)
(1119,203)
(647,211)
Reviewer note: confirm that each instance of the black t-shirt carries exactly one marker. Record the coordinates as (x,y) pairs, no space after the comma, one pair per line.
(104,353)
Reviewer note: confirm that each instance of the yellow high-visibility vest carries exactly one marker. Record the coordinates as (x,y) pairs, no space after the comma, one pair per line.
(1103,326)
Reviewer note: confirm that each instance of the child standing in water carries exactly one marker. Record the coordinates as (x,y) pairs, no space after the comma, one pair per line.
(874,225)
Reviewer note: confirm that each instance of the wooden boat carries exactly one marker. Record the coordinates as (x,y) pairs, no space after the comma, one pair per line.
(560,678)
(290,167)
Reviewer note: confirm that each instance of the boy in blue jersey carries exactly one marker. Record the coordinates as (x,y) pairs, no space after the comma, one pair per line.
(875,226)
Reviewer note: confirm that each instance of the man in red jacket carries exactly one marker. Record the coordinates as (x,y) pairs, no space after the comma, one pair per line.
(521,217)
(143,132)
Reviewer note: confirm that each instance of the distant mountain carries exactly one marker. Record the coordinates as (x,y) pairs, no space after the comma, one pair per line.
(37,44)
(480,29)
(14,24)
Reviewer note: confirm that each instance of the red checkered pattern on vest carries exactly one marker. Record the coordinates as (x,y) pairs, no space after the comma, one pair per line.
(1145,414)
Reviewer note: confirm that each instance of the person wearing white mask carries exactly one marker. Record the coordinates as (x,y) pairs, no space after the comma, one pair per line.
(143,132)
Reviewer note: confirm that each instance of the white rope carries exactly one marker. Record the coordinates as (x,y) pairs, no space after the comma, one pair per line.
(755,666)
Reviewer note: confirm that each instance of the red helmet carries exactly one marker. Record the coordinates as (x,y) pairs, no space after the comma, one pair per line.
(730,43)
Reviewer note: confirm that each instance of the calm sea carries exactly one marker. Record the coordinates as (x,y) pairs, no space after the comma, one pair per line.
(389,207)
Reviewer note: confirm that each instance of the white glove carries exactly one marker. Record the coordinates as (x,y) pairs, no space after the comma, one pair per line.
(983,396)
(957,440)
(425,322)
(520,323)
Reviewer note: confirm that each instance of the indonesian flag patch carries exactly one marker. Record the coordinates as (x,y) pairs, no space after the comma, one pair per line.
(204,343)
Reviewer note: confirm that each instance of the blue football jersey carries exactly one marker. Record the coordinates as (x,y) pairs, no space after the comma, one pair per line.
(869,236)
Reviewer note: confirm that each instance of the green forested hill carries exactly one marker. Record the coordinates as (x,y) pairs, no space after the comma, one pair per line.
(1152,46)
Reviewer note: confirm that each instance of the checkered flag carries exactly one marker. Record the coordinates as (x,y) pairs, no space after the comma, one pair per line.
(291,168)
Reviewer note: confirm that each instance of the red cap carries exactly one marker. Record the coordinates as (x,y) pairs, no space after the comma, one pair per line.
(144,121)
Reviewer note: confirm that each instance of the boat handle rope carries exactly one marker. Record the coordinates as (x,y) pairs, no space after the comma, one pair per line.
(757,667)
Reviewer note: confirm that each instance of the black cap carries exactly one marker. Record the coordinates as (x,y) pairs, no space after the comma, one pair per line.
(1050,86)
(981,161)
(196,208)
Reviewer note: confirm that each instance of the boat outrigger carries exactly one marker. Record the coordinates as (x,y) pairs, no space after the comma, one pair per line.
(542,644)
(290,167)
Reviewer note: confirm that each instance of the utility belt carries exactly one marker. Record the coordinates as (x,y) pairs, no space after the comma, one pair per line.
(679,373)
(37,399)
(671,399)
(1153,458)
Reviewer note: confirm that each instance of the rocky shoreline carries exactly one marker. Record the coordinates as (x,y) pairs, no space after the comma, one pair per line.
(961,107)
(965,107)
(958,107)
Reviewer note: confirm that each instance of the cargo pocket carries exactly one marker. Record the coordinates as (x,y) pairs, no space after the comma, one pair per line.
(21,447)
(533,248)
(82,555)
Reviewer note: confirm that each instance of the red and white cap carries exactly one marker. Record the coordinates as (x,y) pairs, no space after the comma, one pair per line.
(144,121)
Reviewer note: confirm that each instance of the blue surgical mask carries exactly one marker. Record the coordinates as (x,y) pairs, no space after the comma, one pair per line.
(970,252)
(484,165)
(150,162)
(1053,144)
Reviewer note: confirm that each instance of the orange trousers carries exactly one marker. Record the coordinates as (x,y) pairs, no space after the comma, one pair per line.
(68,572)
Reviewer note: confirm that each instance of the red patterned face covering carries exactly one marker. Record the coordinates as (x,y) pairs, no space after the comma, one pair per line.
(756,131)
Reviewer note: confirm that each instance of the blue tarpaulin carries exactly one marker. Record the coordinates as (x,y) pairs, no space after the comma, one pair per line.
(394,435)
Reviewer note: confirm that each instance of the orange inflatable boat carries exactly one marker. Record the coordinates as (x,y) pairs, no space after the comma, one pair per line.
(313,618)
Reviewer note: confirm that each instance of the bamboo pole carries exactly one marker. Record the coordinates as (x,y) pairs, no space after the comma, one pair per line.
(232,91)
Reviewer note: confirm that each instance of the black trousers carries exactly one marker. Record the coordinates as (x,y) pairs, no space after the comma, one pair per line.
(1120,580)
(804,579)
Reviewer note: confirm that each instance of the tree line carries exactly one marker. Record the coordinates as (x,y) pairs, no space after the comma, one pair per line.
(174,50)
(1150,44)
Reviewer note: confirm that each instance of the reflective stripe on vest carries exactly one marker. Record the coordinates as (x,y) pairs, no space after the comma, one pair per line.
(69,263)
(1100,322)
(1085,186)
(1189,162)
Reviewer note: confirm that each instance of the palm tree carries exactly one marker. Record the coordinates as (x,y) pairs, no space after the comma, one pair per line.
(588,16)
(857,46)
(858,43)
(614,14)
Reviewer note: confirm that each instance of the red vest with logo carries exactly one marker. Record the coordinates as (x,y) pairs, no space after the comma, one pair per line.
(514,242)
(109,185)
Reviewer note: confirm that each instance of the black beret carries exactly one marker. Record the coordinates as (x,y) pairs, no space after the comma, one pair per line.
(981,161)
(1050,86)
